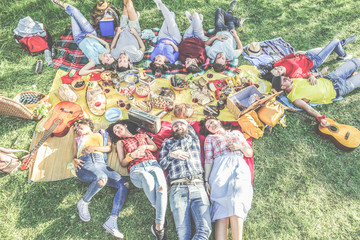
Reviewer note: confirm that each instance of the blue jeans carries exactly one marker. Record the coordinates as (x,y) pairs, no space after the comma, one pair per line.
(319,55)
(225,21)
(149,176)
(80,26)
(186,200)
(95,169)
(195,29)
(169,28)
(342,84)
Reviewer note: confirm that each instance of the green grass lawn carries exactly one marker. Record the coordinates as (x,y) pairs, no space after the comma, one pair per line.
(304,187)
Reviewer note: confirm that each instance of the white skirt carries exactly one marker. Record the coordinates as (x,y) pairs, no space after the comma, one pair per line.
(231,189)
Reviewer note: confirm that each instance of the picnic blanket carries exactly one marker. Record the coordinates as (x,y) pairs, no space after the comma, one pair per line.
(69,56)
(272,51)
(52,161)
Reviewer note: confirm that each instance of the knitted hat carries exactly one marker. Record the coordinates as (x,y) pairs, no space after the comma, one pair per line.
(276,83)
(179,120)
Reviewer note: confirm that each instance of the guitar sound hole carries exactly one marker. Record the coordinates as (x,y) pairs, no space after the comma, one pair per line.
(333,128)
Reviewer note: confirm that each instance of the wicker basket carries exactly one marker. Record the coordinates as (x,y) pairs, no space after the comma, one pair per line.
(31,99)
(13,108)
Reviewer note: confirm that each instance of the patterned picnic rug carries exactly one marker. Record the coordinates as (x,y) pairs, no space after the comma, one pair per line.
(69,56)
(272,51)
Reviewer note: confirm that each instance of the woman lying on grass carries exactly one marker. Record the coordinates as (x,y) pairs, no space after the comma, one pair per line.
(166,51)
(134,151)
(300,63)
(90,167)
(95,49)
(227,176)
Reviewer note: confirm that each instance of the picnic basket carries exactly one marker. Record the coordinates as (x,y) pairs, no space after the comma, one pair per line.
(10,107)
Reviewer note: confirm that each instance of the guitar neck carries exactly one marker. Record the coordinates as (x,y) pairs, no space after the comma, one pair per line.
(305,115)
(46,136)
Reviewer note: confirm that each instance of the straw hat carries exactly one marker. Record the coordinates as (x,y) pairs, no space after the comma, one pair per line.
(254,49)
(102,5)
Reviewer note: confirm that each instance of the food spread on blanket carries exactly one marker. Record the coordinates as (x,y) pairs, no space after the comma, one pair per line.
(95,99)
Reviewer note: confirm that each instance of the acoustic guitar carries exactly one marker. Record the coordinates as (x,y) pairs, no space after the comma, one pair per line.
(345,137)
(63,115)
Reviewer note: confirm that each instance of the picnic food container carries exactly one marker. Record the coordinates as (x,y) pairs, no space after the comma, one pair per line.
(178,82)
(146,79)
(106,26)
(78,84)
(113,114)
(142,90)
(131,78)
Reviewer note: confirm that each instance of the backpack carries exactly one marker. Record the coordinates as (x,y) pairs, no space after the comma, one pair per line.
(34,45)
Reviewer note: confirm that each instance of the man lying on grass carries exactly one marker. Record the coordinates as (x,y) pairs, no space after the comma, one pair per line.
(339,82)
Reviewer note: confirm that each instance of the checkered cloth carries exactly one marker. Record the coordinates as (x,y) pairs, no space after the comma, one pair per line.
(69,56)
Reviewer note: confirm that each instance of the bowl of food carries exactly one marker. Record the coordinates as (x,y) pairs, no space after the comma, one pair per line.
(142,90)
(113,114)
(131,78)
(162,97)
(178,82)
(78,84)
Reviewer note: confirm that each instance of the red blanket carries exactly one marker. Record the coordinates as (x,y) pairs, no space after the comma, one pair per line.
(165,132)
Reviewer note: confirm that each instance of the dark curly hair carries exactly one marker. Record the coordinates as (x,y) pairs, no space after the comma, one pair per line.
(266,74)
(219,67)
(204,131)
(164,67)
(193,69)
(131,126)
(85,121)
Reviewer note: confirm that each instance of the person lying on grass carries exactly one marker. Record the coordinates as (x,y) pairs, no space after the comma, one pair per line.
(227,176)
(300,64)
(225,45)
(94,48)
(192,47)
(127,46)
(338,83)
(134,151)
(90,167)
(166,50)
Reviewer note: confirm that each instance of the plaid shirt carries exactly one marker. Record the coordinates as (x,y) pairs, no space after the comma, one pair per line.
(216,144)
(132,143)
(182,168)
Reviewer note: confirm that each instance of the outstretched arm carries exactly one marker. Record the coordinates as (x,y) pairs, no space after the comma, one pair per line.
(303,105)
(106,45)
(88,68)
(239,46)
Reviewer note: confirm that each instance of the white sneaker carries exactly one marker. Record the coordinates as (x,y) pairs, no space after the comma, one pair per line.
(83,208)
(158,3)
(111,227)
(188,16)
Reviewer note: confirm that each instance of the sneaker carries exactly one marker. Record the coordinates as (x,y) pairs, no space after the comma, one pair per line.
(83,208)
(111,227)
(188,16)
(160,235)
(157,3)
(347,40)
(59,3)
(232,6)
(344,58)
